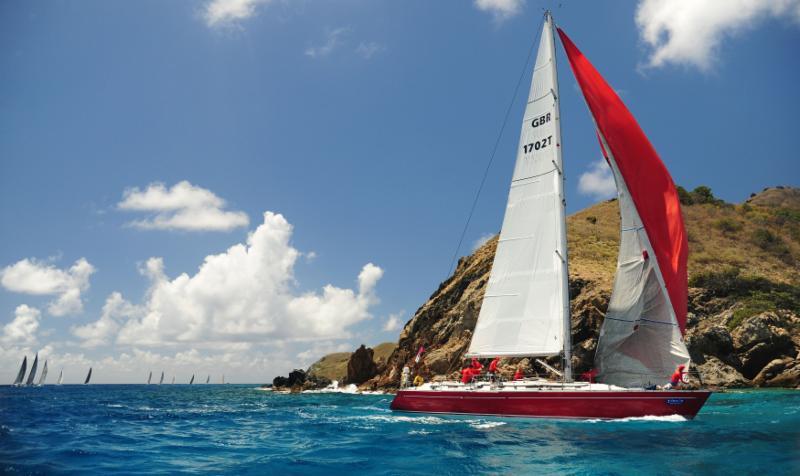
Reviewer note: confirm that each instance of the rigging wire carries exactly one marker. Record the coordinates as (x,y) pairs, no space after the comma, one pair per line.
(491,157)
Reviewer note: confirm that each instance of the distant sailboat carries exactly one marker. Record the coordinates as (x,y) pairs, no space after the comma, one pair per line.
(208,379)
(149,377)
(44,375)
(161,380)
(223,378)
(173,379)
(21,373)
(88,376)
(192,380)
(32,375)
(61,377)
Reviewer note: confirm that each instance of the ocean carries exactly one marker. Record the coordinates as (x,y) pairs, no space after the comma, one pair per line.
(238,429)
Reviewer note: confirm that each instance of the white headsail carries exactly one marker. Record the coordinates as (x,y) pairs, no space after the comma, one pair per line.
(525,310)
(44,375)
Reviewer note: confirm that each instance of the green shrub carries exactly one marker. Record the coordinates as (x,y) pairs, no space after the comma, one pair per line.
(772,243)
(728,225)
(684,196)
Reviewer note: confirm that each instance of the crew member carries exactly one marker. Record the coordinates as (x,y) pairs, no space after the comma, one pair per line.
(518,375)
(405,376)
(418,380)
(493,368)
(676,379)
(466,375)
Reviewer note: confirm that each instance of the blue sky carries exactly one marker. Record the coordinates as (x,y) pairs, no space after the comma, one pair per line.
(139,138)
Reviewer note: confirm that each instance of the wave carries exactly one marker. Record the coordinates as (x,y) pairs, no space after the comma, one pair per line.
(667,418)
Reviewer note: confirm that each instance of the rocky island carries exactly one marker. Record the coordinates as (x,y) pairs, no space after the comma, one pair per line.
(743,328)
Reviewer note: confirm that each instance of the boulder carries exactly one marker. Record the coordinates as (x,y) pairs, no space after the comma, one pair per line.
(789,377)
(295,380)
(713,340)
(716,373)
(361,366)
(761,339)
(771,370)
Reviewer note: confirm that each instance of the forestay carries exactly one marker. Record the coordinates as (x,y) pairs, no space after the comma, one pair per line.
(641,338)
(526,303)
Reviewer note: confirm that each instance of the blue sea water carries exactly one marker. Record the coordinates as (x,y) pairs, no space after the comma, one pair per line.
(237,429)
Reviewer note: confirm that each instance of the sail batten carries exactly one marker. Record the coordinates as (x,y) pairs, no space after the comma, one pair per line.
(523,311)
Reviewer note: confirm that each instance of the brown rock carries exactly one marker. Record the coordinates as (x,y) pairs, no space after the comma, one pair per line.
(771,370)
(716,373)
(361,366)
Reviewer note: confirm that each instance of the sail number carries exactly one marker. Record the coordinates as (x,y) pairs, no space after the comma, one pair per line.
(539,144)
(538,121)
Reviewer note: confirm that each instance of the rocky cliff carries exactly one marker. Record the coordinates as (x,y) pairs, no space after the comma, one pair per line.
(744,298)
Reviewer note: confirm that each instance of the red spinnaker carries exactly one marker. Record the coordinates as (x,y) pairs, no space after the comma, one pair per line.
(649,183)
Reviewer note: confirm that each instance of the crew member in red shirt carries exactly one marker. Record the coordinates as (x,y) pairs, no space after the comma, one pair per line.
(493,369)
(466,375)
(518,375)
(677,377)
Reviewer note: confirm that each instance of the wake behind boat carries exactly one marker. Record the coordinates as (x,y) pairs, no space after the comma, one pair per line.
(525,310)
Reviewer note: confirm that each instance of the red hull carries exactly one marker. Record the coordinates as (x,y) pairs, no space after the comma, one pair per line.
(554,404)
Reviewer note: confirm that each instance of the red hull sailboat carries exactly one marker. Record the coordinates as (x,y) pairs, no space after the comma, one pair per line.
(525,311)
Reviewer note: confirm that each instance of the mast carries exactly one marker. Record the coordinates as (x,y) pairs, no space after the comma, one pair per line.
(21,373)
(562,212)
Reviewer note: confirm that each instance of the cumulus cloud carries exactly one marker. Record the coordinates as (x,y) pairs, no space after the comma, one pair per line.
(219,13)
(500,9)
(333,39)
(21,331)
(30,276)
(690,32)
(116,310)
(182,207)
(246,294)
(394,322)
(598,182)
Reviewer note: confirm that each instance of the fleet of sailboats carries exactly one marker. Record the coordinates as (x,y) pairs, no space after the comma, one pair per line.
(525,310)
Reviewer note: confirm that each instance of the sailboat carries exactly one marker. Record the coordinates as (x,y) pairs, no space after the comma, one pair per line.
(161,380)
(173,379)
(21,373)
(525,310)
(44,375)
(208,379)
(192,380)
(149,377)
(32,375)
(60,377)
(88,377)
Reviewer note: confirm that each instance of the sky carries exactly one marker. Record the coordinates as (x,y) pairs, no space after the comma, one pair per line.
(238,187)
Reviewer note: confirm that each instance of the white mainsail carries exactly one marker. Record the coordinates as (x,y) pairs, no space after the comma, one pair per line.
(44,375)
(525,310)
(21,373)
(61,377)
(32,375)
(640,341)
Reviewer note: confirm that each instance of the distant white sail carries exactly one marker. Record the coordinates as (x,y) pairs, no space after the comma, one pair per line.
(61,377)
(44,375)
(88,377)
(525,309)
(32,375)
(149,377)
(21,373)
(161,380)
(173,379)
(208,379)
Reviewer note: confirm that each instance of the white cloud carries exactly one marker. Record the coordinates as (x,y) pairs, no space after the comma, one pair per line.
(244,295)
(30,276)
(482,241)
(369,49)
(500,9)
(598,181)
(333,39)
(104,329)
(22,330)
(690,32)
(394,322)
(182,207)
(230,12)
